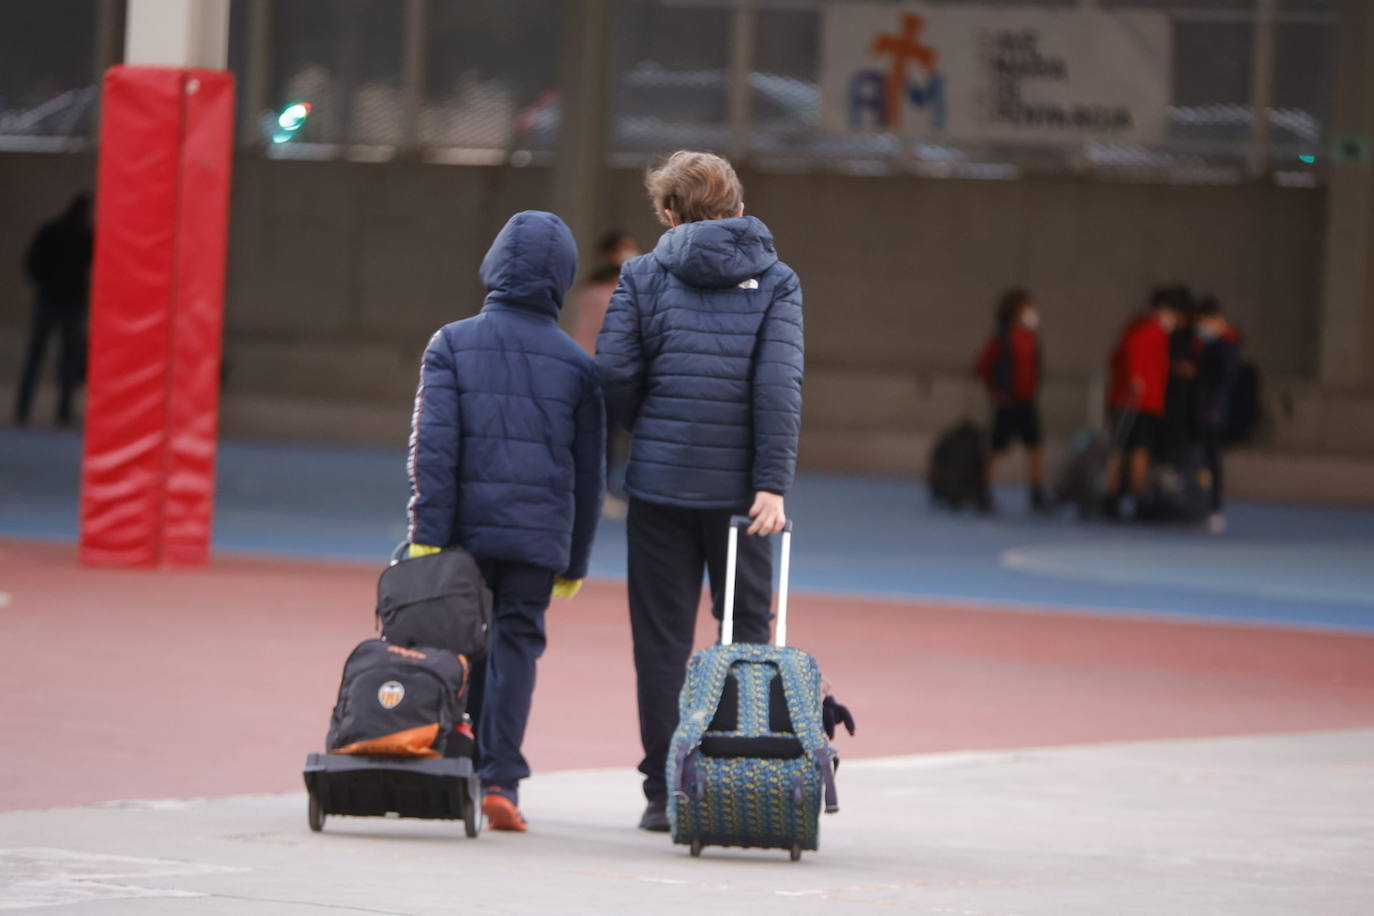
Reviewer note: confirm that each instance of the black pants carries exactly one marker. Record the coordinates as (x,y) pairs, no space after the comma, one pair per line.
(669,549)
(1210,437)
(66,321)
(502,687)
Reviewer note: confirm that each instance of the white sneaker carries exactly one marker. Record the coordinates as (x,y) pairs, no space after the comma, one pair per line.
(1216,523)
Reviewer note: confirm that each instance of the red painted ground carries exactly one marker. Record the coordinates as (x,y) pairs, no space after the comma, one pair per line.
(174,684)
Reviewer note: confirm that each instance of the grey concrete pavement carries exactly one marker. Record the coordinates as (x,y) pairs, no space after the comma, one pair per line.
(1255,826)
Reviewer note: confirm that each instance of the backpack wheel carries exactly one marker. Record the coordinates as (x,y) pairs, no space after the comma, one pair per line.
(696,849)
(796,852)
(314,815)
(472,809)
(472,820)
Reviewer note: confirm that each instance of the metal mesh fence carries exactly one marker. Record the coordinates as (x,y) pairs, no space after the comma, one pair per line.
(48,79)
(1210,125)
(491,75)
(477,81)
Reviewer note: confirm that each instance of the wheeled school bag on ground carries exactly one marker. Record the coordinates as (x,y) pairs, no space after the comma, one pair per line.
(1082,478)
(1180,488)
(439,600)
(398,700)
(749,764)
(399,740)
(958,471)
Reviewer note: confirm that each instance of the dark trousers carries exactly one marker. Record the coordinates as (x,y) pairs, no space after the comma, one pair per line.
(66,322)
(669,549)
(1211,450)
(502,687)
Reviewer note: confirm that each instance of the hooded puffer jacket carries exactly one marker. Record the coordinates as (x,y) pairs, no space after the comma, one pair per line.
(507,442)
(701,358)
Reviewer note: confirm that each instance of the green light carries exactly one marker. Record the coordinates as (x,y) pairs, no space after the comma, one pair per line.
(294,115)
(1308,159)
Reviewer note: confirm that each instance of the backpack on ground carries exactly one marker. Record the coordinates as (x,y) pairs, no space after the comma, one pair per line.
(750,764)
(1180,489)
(1082,477)
(402,701)
(958,471)
(439,600)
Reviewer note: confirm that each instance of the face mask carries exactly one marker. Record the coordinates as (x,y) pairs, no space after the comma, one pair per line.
(1030,320)
(1207,332)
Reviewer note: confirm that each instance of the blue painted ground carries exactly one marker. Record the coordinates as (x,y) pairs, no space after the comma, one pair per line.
(1285,565)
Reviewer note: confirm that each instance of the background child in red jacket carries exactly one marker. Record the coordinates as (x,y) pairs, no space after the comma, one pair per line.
(1137,392)
(1010,366)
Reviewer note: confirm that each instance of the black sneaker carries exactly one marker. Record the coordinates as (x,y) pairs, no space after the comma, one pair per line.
(655,817)
(1038,500)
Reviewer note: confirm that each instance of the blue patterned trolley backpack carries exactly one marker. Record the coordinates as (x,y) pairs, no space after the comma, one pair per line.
(749,763)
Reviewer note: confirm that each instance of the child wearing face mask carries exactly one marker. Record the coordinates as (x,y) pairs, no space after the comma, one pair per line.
(1010,366)
(1136,396)
(1218,363)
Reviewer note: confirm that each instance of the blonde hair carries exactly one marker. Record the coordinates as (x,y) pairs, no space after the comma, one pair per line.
(693,187)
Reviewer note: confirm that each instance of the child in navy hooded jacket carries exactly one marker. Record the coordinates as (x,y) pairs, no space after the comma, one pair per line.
(701,356)
(507,449)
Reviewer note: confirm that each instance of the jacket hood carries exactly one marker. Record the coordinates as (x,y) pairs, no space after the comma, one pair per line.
(531,264)
(717,253)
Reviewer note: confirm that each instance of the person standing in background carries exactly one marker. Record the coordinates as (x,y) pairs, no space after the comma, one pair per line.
(701,358)
(1180,428)
(589,303)
(59,264)
(1218,365)
(592,297)
(1011,366)
(1136,397)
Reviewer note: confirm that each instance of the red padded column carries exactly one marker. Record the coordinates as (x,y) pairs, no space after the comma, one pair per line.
(156,307)
(197,318)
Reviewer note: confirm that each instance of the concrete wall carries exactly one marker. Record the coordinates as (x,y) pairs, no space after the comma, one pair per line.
(899,274)
(340,271)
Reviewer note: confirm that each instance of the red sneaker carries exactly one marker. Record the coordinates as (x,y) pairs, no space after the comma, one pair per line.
(502,813)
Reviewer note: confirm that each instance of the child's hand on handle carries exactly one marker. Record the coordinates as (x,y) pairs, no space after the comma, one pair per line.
(767,513)
(566,588)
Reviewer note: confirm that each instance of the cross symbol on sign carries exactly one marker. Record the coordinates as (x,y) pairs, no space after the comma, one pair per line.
(904,49)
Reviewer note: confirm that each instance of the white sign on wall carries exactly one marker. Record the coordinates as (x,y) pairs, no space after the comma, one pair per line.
(996,74)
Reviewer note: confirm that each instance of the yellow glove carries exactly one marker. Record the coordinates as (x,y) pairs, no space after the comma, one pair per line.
(420,550)
(566,588)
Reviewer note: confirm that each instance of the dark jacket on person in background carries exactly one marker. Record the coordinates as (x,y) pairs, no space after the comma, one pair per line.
(1009,365)
(59,258)
(1217,367)
(701,357)
(507,444)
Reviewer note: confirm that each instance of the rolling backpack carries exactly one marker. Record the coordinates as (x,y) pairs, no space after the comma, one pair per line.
(400,701)
(750,764)
(958,470)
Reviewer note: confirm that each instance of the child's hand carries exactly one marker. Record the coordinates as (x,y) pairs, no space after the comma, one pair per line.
(767,513)
(566,588)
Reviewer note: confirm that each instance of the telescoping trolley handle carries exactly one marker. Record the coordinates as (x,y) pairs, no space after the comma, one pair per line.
(727,626)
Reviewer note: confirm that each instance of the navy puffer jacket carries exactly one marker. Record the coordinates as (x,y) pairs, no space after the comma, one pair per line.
(507,443)
(701,357)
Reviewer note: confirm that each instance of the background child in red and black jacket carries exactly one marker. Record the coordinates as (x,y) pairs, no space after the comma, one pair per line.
(1010,366)
(1137,392)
